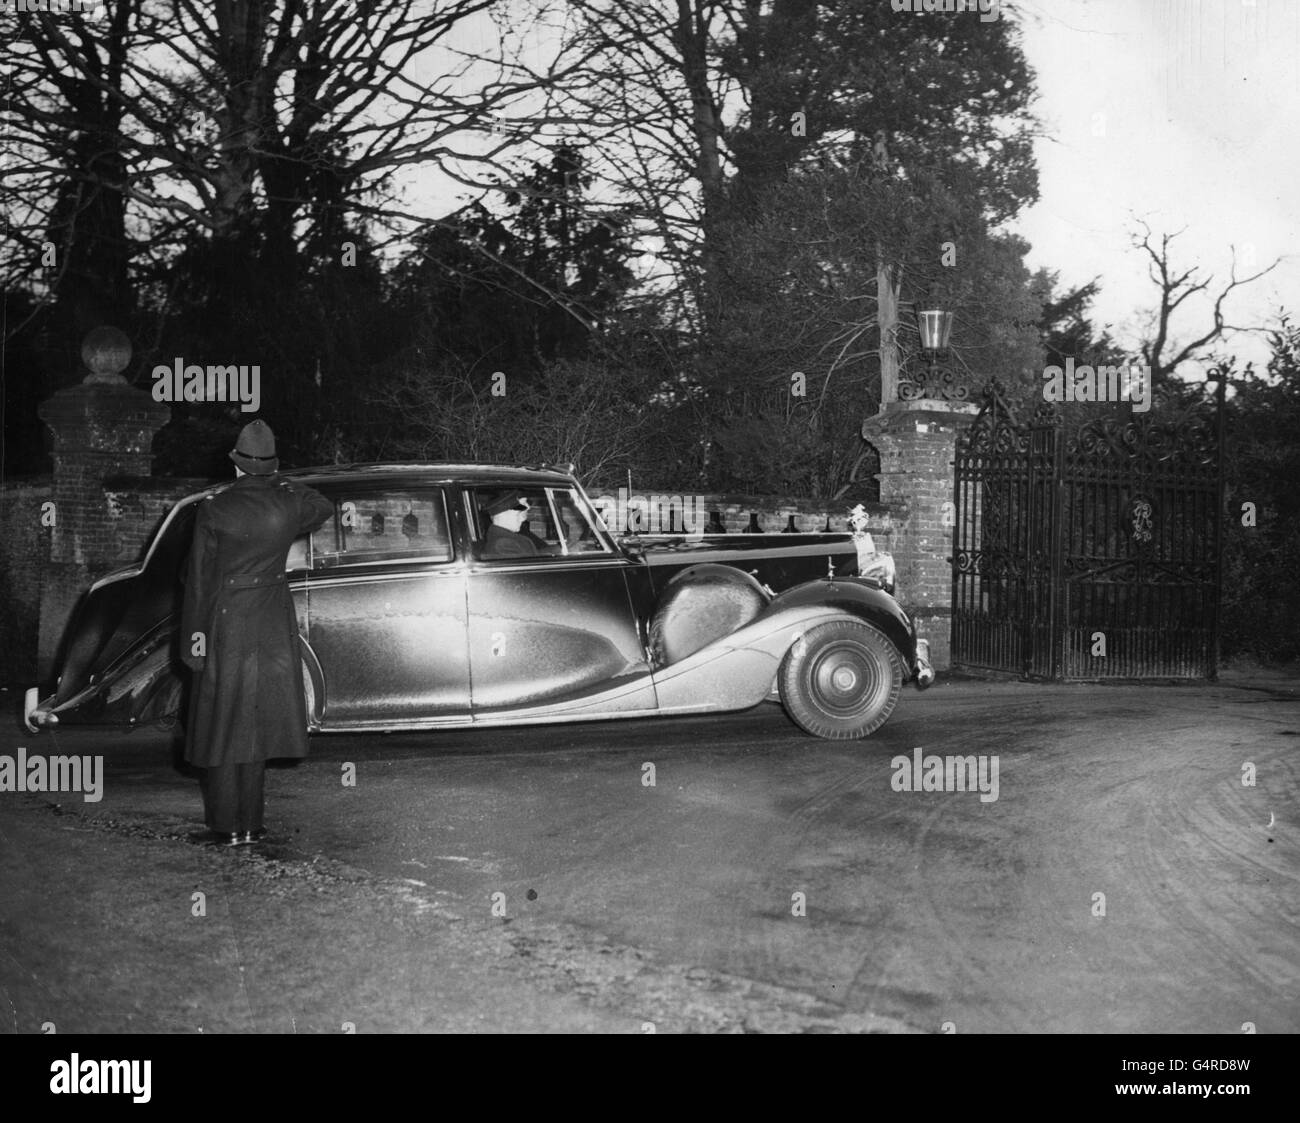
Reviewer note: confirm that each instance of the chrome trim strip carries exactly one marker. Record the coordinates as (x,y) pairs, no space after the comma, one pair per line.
(114,577)
(336,577)
(735,557)
(562,564)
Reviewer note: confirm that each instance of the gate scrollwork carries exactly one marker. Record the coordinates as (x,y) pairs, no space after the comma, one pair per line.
(1109,526)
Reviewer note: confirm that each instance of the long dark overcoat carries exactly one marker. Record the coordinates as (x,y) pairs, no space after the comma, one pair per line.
(246,701)
(502,543)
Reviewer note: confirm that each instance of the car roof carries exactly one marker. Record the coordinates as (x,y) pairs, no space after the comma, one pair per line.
(429,472)
(434,472)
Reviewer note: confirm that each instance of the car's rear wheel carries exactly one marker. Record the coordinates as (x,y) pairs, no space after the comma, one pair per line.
(164,705)
(169,695)
(841,680)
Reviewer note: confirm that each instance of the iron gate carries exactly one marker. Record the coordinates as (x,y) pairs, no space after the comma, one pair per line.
(1089,553)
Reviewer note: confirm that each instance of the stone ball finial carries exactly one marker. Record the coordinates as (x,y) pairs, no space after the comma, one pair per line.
(106,352)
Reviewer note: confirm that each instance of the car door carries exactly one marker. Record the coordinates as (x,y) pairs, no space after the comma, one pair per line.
(386,611)
(556,624)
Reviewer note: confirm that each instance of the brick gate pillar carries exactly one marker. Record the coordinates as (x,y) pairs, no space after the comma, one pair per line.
(917,442)
(103,427)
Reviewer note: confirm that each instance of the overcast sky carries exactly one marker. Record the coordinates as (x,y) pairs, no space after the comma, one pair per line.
(1197,104)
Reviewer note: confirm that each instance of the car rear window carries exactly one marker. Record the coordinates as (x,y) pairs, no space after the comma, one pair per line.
(384,526)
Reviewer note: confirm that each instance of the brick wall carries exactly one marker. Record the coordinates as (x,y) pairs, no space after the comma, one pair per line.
(134,506)
(810,515)
(24,553)
(103,528)
(917,443)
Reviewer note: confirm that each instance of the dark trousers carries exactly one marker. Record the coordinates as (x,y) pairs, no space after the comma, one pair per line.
(232,797)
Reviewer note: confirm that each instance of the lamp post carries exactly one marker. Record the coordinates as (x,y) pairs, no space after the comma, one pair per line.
(935,325)
(938,380)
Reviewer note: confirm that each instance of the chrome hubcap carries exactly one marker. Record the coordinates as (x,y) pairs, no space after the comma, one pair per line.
(844,679)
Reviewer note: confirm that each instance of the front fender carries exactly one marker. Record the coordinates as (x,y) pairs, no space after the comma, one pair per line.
(701,604)
(860,598)
(737,671)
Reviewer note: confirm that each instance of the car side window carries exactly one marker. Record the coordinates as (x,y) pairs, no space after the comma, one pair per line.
(579,534)
(515,540)
(555,524)
(378,526)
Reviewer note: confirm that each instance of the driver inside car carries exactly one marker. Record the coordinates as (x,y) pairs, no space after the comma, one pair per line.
(504,539)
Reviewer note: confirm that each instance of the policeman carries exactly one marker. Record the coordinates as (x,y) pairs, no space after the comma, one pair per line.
(239,635)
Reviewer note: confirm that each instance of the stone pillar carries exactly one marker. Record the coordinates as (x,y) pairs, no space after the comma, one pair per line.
(917,442)
(103,427)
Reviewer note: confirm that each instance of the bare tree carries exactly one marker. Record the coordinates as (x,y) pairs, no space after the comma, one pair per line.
(63,156)
(582,412)
(299,116)
(1160,352)
(639,84)
(699,106)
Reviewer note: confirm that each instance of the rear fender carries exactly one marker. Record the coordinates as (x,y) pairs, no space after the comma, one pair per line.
(149,685)
(135,687)
(166,698)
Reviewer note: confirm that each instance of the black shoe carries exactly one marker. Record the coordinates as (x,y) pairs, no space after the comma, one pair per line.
(251,838)
(215,838)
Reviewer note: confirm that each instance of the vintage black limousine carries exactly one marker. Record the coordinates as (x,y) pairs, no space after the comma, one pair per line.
(407,622)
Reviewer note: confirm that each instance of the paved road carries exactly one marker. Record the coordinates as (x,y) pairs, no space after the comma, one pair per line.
(1124,879)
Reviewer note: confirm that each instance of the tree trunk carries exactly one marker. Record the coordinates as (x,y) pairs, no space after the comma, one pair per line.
(887,318)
